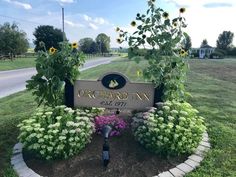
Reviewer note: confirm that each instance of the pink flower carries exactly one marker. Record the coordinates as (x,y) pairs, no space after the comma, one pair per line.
(115,122)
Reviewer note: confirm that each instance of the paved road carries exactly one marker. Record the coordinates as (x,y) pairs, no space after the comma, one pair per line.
(15,80)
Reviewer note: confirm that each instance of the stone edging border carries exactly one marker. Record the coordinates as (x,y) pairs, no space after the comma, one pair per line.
(180,170)
(192,162)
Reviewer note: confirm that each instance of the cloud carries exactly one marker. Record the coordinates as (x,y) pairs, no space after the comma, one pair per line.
(87,18)
(19,4)
(96,20)
(66,1)
(177,4)
(204,3)
(100,21)
(93,26)
(72,24)
(217,5)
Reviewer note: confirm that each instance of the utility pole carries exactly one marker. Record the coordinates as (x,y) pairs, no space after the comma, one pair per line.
(63,27)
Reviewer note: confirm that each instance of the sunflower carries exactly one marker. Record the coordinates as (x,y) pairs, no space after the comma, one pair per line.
(52,50)
(74,45)
(133,23)
(165,15)
(183,53)
(117,29)
(139,73)
(175,24)
(182,10)
(118,40)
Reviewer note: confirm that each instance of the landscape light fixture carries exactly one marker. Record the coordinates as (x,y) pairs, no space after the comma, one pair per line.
(105,149)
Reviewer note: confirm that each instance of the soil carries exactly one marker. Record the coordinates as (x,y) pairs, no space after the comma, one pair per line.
(128,159)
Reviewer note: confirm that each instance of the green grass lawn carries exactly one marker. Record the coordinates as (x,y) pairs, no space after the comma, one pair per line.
(17,63)
(212,84)
(20,63)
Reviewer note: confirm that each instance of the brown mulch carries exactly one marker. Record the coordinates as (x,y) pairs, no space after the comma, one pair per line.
(128,159)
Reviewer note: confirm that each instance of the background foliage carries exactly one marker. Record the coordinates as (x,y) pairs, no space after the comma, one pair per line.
(49,35)
(13,41)
(103,42)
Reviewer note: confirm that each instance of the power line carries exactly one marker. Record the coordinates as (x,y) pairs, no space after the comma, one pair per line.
(14,18)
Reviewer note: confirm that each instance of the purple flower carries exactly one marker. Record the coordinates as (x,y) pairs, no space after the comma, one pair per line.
(115,122)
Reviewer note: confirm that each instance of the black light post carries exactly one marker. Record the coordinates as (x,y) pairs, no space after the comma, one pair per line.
(105,149)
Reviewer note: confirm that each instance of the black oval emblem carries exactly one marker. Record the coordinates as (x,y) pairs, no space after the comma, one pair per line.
(113,81)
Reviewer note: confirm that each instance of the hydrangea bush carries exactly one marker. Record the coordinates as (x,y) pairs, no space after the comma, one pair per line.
(117,124)
(57,133)
(172,128)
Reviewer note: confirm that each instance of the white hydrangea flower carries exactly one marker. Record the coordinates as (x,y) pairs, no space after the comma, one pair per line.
(59,118)
(170,118)
(41,129)
(182,119)
(184,113)
(78,130)
(39,114)
(71,139)
(48,113)
(67,109)
(41,140)
(166,108)
(62,138)
(69,123)
(167,103)
(49,149)
(57,124)
(64,132)
(72,131)
(161,119)
(174,112)
(160,112)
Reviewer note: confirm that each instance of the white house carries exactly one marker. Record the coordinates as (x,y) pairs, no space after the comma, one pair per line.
(205,51)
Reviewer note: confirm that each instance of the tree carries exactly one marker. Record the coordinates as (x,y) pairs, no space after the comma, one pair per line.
(225,40)
(49,35)
(187,44)
(86,45)
(94,47)
(13,41)
(103,42)
(204,42)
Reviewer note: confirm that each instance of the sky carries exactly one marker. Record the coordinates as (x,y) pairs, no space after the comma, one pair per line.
(206,19)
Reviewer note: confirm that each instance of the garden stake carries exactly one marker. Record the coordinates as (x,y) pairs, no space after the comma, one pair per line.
(105,149)
(117,111)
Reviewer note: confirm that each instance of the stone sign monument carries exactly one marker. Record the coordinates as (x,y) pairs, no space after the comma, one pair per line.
(112,90)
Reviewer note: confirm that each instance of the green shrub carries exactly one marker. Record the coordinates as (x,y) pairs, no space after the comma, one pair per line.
(216,55)
(194,55)
(232,51)
(57,133)
(173,128)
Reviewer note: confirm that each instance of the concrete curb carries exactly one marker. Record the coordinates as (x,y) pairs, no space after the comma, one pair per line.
(192,162)
(180,170)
